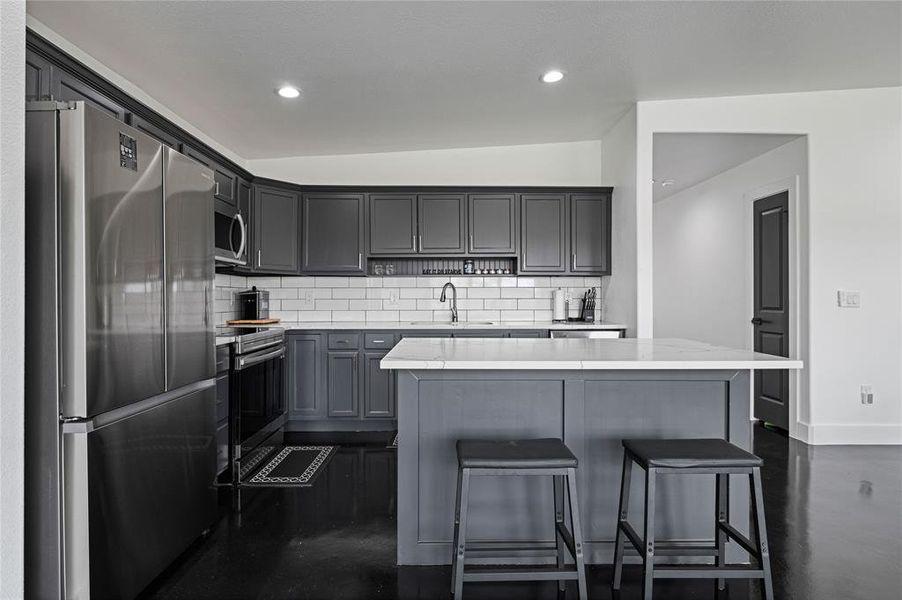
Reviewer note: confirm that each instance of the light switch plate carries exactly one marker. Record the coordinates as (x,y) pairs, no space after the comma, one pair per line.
(847,299)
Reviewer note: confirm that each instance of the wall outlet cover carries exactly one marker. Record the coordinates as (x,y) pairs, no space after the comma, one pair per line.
(848,299)
(867,394)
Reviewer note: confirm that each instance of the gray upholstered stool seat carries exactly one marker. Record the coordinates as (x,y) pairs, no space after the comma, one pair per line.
(546,453)
(547,457)
(715,457)
(680,454)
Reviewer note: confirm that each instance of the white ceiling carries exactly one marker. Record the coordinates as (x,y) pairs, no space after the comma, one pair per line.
(691,158)
(388,76)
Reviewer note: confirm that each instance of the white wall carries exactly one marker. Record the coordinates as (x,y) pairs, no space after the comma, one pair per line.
(703,250)
(559,164)
(618,169)
(853,241)
(12,274)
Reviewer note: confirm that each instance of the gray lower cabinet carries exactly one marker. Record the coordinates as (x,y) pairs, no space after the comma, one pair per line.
(306,377)
(543,241)
(333,233)
(590,233)
(441,223)
(379,387)
(393,224)
(492,220)
(223,400)
(276,228)
(343,395)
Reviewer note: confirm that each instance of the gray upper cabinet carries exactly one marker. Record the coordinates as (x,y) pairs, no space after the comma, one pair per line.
(492,220)
(543,245)
(393,224)
(343,388)
(590,233)
(333,233)
(69,87)
(153,131)
(38,77)
(275,217)
(224,186)
(197,155)
(441,221)
(306,377)
(379,387)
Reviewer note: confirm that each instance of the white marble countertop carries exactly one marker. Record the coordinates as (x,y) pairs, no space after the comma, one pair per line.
(578,354)
(441,325)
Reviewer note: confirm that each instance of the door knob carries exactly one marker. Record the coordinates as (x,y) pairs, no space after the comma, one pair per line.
(757,321)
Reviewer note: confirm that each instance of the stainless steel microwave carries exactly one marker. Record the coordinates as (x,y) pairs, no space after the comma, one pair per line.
(231,237)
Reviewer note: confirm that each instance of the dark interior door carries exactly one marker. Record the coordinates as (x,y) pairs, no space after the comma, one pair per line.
(771,305)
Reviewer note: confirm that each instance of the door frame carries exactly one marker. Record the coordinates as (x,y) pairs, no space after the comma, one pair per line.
(799,408)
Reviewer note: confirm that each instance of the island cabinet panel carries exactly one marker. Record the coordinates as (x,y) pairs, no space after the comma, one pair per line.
(441,221)
(276,225)
(378,386)
(544,233)
(342,368)
(590,233)
(492,220)
(333,233)
(306,378)
(393,224)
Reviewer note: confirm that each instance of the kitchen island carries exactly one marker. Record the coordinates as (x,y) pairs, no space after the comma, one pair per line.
(591,394)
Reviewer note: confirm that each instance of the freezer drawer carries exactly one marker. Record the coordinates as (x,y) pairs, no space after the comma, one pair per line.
(138,491)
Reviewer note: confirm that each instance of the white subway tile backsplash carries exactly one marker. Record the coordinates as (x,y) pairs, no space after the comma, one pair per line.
(348,315)
(416,315)
(283,293)
(534,304)
(483,315)
(517,315)
(263,283)
(431,304)
(517,293)
(416,293)
(400,304)
(383,315)
(470,304)
(315,315)
(332,282)
(300,304)
(298,282)
(499,304)
(349,293)
(429,282)
(365,304)
(399,282)
(331,304)
(484,292)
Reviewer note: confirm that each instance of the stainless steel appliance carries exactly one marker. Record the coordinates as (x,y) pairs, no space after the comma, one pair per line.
(588,333)
(253,304)
(230,236)
(120,404)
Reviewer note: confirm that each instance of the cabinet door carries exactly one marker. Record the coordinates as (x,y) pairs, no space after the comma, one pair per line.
(590,233)
(69,87)
(393,224)
(441,223)
(543,245)
(306,396)
(378,388)
(275,238)
(153,131)
(492,222)
(190,151)
(342,376)
(519,333)
(38,77)
(224,189)
(333,233)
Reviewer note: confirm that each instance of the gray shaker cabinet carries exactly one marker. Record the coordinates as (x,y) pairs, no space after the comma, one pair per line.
(379,387)
(38,77)
(492,220)
(393,224)
(343,388)
(333,233)
(441,221)
(543,225)
(306,377)
(590,233)
(276,228)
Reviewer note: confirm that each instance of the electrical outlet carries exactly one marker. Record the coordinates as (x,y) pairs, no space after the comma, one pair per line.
(392,297)
(308,296)
(867,394)
(846,299)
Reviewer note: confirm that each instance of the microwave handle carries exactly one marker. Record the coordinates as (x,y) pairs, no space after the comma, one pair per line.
(240,220)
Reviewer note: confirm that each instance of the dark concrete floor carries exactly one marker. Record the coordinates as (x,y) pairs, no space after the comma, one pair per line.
(834,517)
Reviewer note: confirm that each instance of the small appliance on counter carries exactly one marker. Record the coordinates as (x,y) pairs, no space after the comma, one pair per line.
(253,305)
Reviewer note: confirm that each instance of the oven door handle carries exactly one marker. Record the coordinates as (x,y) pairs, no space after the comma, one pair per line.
(249,360)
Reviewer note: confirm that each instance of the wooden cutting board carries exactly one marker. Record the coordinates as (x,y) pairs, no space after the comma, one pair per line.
(252,322)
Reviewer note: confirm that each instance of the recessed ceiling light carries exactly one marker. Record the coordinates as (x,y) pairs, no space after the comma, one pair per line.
(552,76)
(288,91)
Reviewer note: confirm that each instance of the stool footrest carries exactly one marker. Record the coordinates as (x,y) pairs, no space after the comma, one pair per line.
(500,549)
(740,539)
(706,572)
(512,573)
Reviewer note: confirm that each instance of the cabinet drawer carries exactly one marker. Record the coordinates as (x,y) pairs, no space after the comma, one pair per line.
(376,341)
(222,359)
(344,341)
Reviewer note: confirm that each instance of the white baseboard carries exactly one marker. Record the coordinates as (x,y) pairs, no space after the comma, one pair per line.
(849,434)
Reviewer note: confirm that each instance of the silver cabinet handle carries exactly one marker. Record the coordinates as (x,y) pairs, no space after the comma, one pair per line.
(259,259)
(413,242)
(244,362)
(471,242)
(215,188)
(359,259)
(420,246)
(573,260)
(378,341)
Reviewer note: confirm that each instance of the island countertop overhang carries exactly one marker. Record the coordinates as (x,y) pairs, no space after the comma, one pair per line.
(575,354)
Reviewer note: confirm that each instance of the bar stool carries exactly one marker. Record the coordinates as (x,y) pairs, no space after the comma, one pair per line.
(524,458)
(690,456)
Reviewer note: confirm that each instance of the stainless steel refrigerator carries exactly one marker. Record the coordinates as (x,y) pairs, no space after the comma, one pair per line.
(120,374)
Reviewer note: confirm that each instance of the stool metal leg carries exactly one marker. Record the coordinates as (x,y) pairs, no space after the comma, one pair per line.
(648,559)
(720,486)
(577,533)
(456,531)
(760,528)
(622,514)
(558,483)
(460,550)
